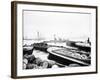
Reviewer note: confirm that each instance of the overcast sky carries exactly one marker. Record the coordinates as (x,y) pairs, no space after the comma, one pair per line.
(63,25)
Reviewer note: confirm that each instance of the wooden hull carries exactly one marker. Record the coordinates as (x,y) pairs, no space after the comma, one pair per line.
(66,59)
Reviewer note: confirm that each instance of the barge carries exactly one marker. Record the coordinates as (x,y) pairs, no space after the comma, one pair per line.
(67,57)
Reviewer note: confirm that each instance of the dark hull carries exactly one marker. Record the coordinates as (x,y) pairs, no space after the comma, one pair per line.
(84,48)
(27,51)
(64,61)
(67,57)
(40,46)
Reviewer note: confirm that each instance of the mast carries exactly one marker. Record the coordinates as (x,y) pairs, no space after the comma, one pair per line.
(38,36)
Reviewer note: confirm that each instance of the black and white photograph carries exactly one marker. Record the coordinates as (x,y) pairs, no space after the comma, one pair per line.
(55,39)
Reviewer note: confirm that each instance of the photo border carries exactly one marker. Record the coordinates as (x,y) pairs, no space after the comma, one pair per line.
(14,37)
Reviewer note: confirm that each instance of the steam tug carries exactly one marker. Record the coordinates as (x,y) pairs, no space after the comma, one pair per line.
(40,46)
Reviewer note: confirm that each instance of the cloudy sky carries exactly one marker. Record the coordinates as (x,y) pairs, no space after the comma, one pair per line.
(64,25)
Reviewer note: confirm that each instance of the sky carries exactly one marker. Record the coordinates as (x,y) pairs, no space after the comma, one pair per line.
(64,25)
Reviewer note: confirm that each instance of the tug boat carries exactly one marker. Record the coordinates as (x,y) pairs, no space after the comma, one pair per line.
(85,46)
(40,46)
